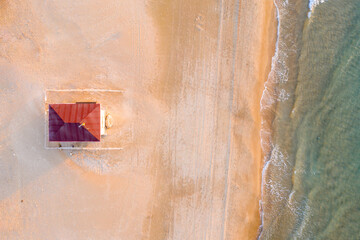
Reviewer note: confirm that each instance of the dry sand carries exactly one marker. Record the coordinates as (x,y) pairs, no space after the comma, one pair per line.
(193,74)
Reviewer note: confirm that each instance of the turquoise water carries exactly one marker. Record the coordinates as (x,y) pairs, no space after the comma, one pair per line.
(311,178)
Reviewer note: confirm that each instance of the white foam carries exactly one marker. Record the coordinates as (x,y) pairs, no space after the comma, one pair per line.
(313,4)
(283,95)
(278,192)
(279,159)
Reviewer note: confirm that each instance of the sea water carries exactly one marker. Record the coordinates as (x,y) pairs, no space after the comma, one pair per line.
(311,175)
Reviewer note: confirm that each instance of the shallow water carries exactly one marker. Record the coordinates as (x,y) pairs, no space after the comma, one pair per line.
(311,184)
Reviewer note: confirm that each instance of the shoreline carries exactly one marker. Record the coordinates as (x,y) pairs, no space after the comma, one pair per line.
(276,102)
(267,116)
(249,213)
(272,36)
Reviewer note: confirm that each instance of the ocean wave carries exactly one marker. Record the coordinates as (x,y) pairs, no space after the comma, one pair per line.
(278,76)
(302,228)
(274,187)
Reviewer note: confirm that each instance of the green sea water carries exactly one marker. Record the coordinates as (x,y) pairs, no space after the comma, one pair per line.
(311,178)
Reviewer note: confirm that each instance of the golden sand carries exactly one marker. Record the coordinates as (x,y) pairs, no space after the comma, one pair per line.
(193,74)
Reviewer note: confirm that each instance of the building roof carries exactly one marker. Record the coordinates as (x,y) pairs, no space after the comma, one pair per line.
(75,122)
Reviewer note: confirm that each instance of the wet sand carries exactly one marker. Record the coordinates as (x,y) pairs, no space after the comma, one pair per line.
(193,75)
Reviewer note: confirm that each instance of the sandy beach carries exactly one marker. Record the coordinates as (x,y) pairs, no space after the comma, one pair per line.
(193,76)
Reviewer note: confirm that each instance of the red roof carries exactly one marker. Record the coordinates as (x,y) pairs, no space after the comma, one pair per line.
(75,122)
